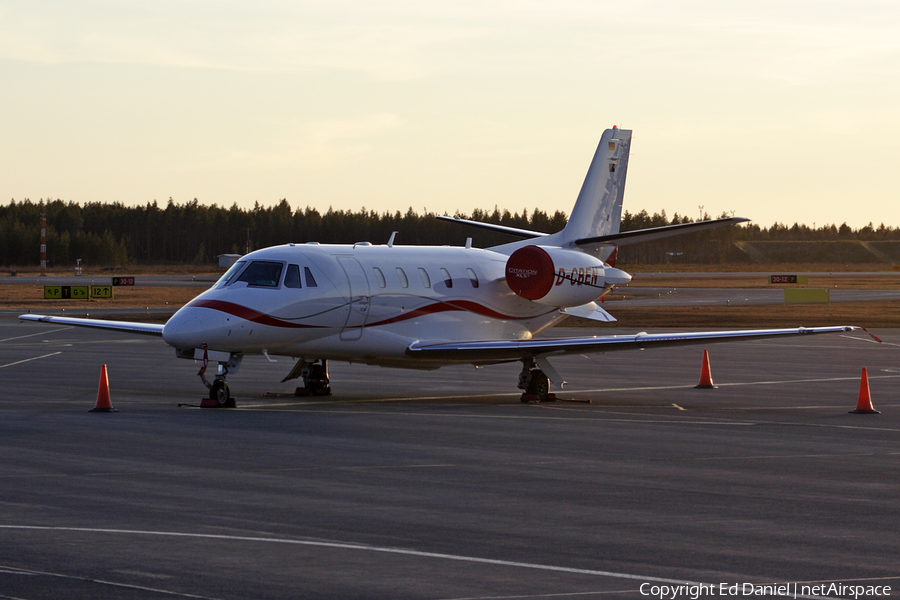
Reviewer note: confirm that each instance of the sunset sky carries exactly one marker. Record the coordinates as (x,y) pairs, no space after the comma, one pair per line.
(783,110)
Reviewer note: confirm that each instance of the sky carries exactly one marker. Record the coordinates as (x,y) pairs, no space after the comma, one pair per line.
(779,111)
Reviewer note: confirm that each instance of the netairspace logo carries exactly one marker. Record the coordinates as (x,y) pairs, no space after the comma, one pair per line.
(695,591)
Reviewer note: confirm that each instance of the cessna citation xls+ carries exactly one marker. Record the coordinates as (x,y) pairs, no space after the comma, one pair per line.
(426,307)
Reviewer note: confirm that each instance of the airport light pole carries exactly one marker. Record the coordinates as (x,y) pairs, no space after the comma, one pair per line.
(43,244)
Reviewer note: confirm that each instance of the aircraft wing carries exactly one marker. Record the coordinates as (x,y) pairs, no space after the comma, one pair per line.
(126,326)
(509,350)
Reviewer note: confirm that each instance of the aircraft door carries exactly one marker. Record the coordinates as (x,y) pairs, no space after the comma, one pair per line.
(359,298)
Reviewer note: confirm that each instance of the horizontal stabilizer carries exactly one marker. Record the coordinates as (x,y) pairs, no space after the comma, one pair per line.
(522,233)
(655,233)
(126,326)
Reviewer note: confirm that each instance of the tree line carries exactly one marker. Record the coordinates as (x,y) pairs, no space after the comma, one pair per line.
(115,234)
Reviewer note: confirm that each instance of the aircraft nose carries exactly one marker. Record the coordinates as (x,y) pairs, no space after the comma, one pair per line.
(191,327)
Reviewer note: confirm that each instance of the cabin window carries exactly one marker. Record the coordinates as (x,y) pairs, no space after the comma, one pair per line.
(292,277)
(612,167)
(231,273)
(448,281)
(262,273)
(404,280)
(472,277)
(310,280)
(426,280)
(380,277)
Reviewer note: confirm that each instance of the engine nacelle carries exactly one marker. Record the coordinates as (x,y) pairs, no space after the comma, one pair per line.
(559,277)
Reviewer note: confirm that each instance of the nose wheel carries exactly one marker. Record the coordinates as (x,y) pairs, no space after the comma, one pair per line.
(220,394)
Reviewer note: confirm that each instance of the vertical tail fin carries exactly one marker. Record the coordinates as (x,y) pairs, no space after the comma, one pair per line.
(598,209)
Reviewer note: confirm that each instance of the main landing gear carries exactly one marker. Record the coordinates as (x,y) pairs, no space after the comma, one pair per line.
(534,382)
(315,378)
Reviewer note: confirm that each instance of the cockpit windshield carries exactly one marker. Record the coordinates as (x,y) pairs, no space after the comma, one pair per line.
(262,273)
(231,273)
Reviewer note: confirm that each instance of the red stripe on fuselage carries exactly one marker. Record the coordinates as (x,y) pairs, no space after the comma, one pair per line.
(248,314)
(453,305)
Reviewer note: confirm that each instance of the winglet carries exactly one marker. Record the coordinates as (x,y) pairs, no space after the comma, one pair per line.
(872,336)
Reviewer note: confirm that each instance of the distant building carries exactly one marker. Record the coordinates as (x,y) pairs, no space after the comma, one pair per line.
(226,260)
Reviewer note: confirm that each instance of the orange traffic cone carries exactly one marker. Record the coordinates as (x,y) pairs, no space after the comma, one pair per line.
(705,376)
(864,404)
(103,402)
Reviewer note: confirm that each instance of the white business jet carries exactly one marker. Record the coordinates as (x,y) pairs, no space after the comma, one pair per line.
(426,307)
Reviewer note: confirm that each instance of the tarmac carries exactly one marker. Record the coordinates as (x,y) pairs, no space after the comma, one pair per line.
(442,485)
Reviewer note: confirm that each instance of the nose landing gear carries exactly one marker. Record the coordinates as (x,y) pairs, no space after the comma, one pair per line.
(219,394)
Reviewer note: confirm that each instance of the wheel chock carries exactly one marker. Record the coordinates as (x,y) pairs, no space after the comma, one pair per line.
(305,392)
(535,398)
(210,403)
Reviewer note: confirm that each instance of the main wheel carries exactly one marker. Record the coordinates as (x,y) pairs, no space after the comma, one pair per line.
(318,380)
(219,392)
(539,385)
(321,388)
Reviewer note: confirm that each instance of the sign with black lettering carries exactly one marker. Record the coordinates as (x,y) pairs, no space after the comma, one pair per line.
(66,292)
(78,292)
(123,280)
(101,291)
(773,279)
(784,279)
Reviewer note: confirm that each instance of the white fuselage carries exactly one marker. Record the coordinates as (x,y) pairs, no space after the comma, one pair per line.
(360,303)
(424,307)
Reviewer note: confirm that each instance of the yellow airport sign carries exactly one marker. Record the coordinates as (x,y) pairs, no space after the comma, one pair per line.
(67,292)
(792,295)
(101,291)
